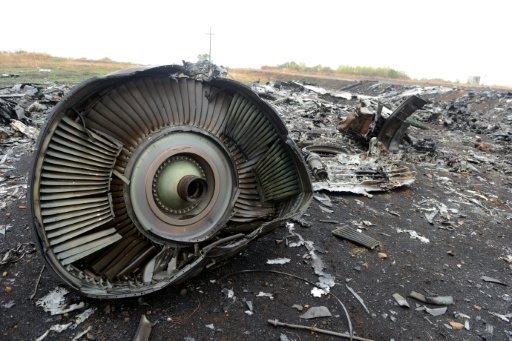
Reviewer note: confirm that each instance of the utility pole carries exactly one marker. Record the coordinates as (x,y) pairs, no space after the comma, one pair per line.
(210,52)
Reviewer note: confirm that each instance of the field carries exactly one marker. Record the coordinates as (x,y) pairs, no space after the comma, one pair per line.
(41,68)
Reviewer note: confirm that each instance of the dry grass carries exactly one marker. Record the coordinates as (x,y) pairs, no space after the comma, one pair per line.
(29,66)
(23,59)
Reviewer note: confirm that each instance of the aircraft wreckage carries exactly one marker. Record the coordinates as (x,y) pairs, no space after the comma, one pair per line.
(145,177)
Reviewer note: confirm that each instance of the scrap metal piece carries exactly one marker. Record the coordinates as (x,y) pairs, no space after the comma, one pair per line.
(364,173)
(395,126)
(492,280)
(143,330)
(433,311)
(317,167)
(355,236)
(401,300)
(316,312)
(437,300)
(147,176)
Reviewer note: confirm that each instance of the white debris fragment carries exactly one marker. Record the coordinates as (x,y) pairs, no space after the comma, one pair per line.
(414,235)
(54,301)
(430,216)
(8,305)
(434,311)
(505,318)
(323,199)
(59,328)
(325,209)
(4,229)
(400,300)
(296,244)
(278,261)
(300,242)
(325,280)
(492,280)
(30,132)
(283,337)
(210,326)
(265,294)
(317,292)
(83,316)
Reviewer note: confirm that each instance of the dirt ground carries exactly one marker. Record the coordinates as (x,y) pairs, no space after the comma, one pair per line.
(470,237)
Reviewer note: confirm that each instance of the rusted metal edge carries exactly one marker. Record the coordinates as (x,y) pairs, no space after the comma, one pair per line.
(395,126)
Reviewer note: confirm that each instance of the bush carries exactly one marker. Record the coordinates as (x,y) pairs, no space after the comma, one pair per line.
(368,71)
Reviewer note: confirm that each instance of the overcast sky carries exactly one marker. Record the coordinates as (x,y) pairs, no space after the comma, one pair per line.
(426,39)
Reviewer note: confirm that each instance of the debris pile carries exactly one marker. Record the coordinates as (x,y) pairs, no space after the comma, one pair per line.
(435,257)
(23,110)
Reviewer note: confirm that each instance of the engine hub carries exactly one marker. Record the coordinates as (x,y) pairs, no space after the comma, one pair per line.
(181,186)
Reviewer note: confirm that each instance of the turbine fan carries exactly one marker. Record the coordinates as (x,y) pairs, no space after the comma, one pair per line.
(145,177)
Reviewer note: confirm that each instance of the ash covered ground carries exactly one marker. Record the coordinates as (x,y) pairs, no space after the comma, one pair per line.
(448,234)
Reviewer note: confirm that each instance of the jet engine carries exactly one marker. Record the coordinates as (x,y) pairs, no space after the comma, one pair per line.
(145,177)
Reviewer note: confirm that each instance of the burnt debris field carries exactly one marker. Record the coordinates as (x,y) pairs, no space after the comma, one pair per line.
(408,235)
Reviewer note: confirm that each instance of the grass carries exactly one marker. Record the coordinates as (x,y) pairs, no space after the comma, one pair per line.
(31,66)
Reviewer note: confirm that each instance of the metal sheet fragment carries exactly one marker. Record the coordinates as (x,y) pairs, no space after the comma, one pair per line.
(492,280)
(143,330)
(374,171)
(437,300)
(279,261)
(414,235)
(316,312)
(58,328)
(346,232)
(395,126)
(433,311)
(325,280)
(401,300)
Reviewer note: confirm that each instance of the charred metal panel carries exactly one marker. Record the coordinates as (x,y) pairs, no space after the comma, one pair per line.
(395,126)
